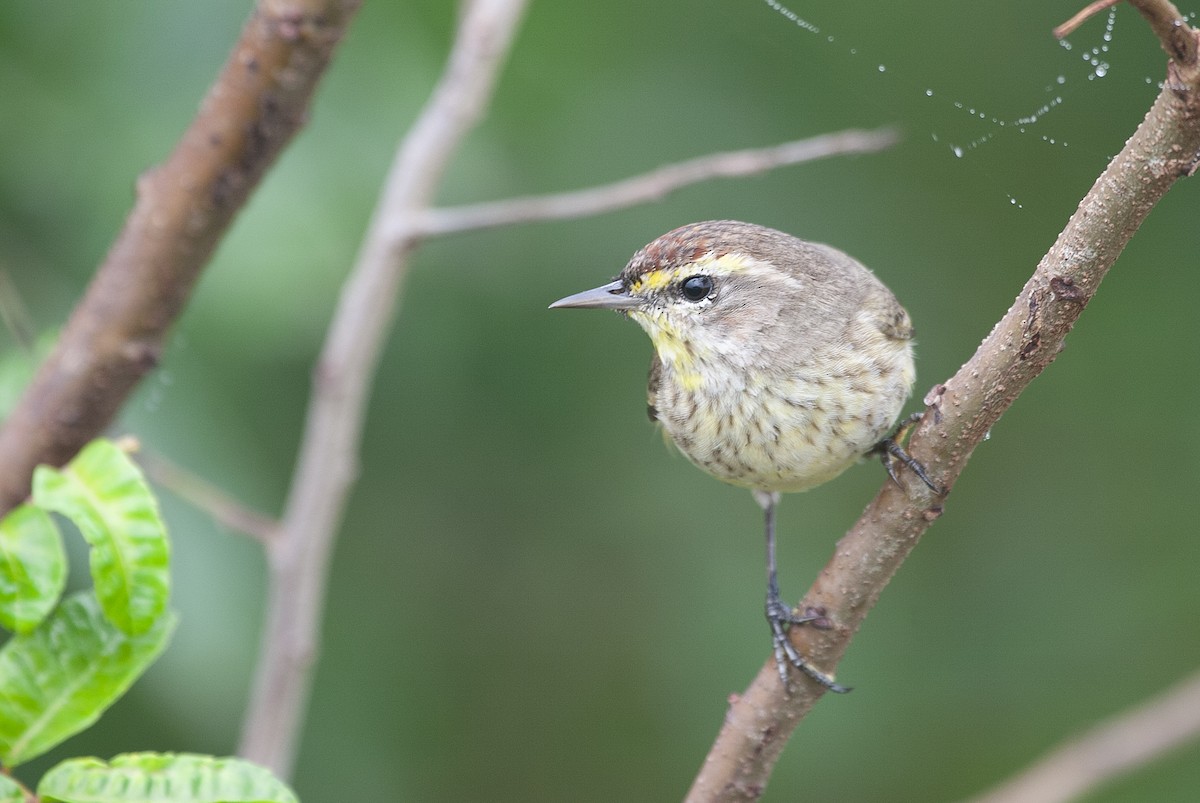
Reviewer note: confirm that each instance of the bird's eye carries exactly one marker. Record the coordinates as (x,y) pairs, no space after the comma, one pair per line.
(696,288)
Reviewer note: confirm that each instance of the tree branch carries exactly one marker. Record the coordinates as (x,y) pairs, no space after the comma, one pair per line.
(1177,38)
(1164,19)
(326,467)
(183,207)
(1114,748)
(960,412)
(1088,11)
(205,496)
(14,314)
(651,186)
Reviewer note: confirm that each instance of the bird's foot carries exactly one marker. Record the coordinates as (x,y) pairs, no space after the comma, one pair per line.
(890,451)
(780,617)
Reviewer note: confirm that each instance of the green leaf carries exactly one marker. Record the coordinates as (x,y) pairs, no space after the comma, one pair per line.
(162,777)
(11,791)
(57,680)
(33,568)
(104,493)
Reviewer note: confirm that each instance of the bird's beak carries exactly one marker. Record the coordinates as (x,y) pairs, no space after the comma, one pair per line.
(610,296)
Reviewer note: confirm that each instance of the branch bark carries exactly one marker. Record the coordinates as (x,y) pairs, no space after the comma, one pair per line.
(1165,147)
(651,186)
(203,495)
(1090,10)
(183,207)
(327,465)
(1178,39)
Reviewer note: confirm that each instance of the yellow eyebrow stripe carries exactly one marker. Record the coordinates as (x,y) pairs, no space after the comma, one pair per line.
(654,280)
(709,263)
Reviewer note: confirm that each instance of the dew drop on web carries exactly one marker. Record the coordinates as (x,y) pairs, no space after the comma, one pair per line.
(968,125)
(794,17)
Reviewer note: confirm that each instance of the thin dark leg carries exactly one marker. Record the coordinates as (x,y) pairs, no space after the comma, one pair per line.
(779,616)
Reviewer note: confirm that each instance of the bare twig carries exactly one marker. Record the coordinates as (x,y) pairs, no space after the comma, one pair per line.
(1088,11)
(202,494)
(183,207)
(326,467)
(651,186)
(1164,148)
(14,314)
(1162,15)
(1114,748)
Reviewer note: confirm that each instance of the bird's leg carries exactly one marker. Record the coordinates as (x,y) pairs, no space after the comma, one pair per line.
(780,616)
(890,450)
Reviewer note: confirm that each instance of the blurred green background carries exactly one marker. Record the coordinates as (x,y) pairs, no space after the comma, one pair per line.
(532,598)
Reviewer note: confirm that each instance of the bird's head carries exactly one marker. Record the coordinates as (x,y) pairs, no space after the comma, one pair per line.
(729,294)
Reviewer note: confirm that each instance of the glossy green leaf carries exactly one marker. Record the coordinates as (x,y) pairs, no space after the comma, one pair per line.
(162,777)
(33,568)
(104,493)
(11,791)
(57,680)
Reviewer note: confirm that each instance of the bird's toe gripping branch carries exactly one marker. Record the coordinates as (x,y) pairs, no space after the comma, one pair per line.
(781,618)
(890,452)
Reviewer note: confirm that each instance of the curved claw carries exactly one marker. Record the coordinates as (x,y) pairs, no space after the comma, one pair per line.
(780,617)
(889,450)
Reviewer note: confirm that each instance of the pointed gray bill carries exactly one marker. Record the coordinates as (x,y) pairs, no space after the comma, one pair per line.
(610,296)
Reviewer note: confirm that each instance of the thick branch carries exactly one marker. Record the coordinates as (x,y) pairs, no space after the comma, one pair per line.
(183,207)
(1114,748)
(652,186)
(326,468)
(1164,148)
(1177,38)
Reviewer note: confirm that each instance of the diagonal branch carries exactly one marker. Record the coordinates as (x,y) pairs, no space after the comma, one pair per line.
(651,186)
(960,412)
(1164,19)
(327,465)
(183,208)
(1108,751)
(203,495)
(1082,16)
(1177,37)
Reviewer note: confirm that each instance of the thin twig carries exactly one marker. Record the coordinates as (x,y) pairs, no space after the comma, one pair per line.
(15,314)
(183,208)
(960,412)
(651,186)
(1090,10)
(1112,749)
(202,494)
(327,464)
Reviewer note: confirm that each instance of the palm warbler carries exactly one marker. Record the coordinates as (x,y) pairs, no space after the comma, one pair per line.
(778,364)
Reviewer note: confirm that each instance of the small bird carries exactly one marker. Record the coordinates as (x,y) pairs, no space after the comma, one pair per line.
(778,364)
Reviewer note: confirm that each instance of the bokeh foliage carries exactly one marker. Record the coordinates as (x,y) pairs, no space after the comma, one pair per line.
(532,598)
